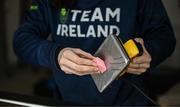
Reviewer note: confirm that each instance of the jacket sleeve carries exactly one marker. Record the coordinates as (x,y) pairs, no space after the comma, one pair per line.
(30,40)
(156,30)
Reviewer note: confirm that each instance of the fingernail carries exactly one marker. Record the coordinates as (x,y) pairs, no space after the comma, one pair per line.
(97,72)
(96,69)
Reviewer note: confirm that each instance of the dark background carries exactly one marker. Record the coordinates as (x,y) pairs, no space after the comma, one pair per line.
(21,78)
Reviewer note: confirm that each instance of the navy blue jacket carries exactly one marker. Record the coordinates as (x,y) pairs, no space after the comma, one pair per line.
(85,27)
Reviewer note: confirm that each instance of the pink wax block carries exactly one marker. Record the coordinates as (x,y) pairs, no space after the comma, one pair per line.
(101,64)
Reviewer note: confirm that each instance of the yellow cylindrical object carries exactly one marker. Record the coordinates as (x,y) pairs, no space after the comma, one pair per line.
(131,49)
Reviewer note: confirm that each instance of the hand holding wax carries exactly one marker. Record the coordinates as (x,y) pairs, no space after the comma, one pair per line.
(76,61)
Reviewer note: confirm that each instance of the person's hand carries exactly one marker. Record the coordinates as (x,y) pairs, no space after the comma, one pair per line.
(140,64)
(76,61)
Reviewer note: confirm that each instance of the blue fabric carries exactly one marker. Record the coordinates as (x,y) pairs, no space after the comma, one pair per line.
(87,25)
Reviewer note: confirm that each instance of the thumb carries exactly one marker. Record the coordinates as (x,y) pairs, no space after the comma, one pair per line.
(141,41)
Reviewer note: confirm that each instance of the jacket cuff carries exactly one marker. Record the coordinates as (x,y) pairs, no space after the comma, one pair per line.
(54,58)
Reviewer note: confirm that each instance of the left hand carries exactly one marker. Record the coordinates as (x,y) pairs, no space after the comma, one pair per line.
(140,64)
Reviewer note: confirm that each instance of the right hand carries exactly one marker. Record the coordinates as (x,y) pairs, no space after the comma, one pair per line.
(76,61)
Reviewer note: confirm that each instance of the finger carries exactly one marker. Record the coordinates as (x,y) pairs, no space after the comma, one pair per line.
(141,41)
(142,59)
(70,71)
(131,72)
(133,65)
(83,61)
(136,71)
(83,53)
(67,70)
(144,65)
(79,68)
(78,60)
(137,66)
